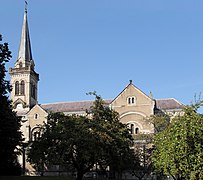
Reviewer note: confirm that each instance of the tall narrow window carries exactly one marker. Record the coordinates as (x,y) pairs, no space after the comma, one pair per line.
(22,88)
(136,130)
(17,90)
(132,128)
(33,92)
(36,135)
(31,89)
(131,100)
(36,116)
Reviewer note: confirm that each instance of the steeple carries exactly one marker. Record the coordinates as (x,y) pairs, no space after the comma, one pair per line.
(24,58)
(24,78)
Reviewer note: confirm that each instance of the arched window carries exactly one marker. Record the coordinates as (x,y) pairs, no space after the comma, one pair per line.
(22,88)
(36,116)
(36,135)
(131,100)
(17,90)
(136,130)
(132,127)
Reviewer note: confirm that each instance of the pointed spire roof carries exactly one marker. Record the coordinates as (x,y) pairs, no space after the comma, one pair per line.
(25,52)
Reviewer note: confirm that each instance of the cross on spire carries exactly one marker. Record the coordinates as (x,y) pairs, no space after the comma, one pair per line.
(26,6)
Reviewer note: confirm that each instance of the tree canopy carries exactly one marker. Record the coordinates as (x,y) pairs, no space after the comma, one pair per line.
(179,148)
(80,142)
(10,135)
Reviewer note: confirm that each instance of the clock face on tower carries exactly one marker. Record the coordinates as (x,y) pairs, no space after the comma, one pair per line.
(19,106)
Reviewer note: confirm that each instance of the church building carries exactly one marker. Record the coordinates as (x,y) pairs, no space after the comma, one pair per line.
(133,105)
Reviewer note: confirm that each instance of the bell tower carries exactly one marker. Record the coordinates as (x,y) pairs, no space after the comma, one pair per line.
(24,79)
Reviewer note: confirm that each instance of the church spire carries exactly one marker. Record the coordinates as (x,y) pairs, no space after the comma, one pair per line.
(25,53)
(24,78)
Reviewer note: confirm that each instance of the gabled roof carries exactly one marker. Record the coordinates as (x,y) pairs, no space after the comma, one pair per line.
(82,106)
(70,106)
(168,104)
(37,106)
(131,84)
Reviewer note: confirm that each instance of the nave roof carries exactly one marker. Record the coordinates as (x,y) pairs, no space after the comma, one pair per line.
(82,106)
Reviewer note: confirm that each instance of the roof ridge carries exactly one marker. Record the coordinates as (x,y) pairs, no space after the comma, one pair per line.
(180,103)
(68,102)
(166,99)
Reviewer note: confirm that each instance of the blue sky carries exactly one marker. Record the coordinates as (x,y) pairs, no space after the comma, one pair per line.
(99,45)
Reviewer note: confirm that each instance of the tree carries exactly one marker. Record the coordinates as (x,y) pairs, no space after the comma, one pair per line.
(66,141)
(179,148)
(10,135)
(81,142)
(143,150)
(160,121)
(117,152)
(144,147)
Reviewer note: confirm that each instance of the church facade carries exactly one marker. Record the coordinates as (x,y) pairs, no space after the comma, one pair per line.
(133,105)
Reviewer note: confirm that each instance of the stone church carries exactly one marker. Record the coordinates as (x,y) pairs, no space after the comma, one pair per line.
(133,105)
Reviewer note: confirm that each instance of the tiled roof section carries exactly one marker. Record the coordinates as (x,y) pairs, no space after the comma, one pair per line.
(70,106)
(82,106)
(168,104)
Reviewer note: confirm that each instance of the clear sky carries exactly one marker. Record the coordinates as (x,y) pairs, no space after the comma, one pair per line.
(99,45)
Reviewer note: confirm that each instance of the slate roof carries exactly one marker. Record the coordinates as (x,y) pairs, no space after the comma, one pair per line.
(70,106)
(82,106)
(25,45)
(168,104)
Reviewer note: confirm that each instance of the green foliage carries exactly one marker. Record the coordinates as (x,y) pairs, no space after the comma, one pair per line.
(144,168)
(79,142)
(10,135)
(116,140)
(179,148)
(160,121)
(5,56)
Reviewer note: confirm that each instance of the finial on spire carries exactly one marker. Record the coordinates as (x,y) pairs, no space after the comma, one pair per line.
(131,81)
(26,6)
